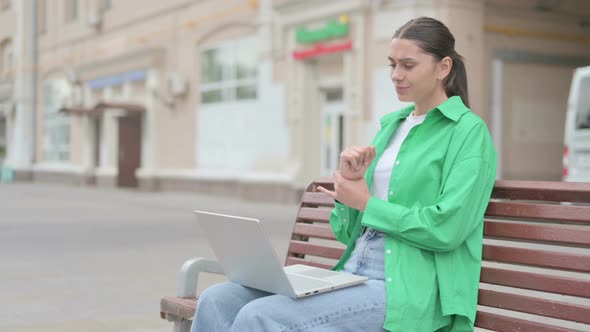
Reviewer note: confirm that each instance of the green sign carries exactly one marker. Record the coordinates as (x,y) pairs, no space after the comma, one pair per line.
(332,29)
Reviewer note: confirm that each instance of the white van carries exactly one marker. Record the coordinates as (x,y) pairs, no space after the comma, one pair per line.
(576,152)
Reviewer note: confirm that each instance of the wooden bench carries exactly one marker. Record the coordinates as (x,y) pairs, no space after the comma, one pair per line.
(536,270)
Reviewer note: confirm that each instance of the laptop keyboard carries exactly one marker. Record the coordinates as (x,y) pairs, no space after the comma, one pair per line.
(318,273)
(302,283)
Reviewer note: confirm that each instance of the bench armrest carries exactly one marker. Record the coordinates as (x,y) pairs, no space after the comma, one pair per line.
(189,274)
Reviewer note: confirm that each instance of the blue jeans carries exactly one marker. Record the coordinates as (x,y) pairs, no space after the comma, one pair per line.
(232,307)
(368,257)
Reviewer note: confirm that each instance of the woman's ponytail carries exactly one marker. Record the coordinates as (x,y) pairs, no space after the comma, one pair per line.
(456,82)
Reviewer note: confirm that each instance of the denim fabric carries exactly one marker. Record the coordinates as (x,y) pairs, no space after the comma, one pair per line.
(367,258)
(232,307)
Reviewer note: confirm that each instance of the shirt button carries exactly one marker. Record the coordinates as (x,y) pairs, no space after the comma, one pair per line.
(391,193)
(344,220)
(341,209)
(397,162)
(388,251)
(389,279)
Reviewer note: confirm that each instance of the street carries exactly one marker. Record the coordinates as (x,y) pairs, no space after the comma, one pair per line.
(90,259)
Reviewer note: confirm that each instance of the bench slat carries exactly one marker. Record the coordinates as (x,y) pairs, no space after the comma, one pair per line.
(179,307)
(324,181)
(566,234)
(306,248)
(534,305)
(495,322)
(316,199)
(539,211)
(535,281)
(315,231)
(314,214)
(537,257)
(295,260)
(542,191)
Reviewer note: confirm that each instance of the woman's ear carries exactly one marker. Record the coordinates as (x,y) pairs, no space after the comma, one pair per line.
(444,67)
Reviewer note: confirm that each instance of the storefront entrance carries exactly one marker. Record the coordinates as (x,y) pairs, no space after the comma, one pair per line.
(129,156)
(332,128)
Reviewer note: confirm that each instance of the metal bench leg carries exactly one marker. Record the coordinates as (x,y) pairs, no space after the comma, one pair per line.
(180,324)
(186,325)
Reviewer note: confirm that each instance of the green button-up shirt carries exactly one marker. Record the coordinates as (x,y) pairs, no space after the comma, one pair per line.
(440,186)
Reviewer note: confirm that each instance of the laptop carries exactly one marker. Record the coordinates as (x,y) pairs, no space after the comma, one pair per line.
(247,258)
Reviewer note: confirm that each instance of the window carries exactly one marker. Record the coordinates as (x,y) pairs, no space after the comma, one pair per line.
(41,16)
(56,126)
(583,108)
(71,10)
(229,72)
(5,5)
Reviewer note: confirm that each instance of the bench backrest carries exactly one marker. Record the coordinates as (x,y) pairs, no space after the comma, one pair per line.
(536,253)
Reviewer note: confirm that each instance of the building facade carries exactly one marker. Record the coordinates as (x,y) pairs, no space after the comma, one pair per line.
(254,99)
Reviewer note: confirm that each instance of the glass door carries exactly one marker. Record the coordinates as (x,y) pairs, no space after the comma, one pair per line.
(332,116)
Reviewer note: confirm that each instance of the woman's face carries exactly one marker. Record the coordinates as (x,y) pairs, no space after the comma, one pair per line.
(415,73)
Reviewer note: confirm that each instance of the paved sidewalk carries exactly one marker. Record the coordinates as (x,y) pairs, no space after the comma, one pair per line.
(89,259)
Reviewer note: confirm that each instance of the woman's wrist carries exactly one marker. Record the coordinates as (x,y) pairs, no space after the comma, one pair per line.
(351,178)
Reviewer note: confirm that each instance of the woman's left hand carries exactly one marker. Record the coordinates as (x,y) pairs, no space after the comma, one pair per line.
(352,193)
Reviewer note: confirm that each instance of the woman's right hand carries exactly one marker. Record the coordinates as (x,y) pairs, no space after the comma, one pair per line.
(355,160)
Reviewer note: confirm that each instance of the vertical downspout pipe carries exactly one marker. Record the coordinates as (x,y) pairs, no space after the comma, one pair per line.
(34,60)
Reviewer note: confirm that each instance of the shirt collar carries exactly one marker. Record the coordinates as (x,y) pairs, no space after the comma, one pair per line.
(394,116)
(453,108)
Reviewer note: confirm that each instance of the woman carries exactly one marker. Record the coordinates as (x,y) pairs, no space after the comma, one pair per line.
(409,208)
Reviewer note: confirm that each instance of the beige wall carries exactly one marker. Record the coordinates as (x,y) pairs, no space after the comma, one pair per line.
(174,28)
(177,129)
(122,15)
(464,19)
(7,24)
(530,32)
(77,139)
(534,107)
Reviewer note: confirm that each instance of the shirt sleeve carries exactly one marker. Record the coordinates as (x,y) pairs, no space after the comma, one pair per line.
(342,220)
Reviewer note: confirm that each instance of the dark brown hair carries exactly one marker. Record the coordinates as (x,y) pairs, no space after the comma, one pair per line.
(435,38)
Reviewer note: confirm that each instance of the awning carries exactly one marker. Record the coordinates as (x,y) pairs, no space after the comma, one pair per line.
(76,110)
(101,107)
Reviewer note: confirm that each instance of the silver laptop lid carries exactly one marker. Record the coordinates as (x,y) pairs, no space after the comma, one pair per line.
(244,252)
